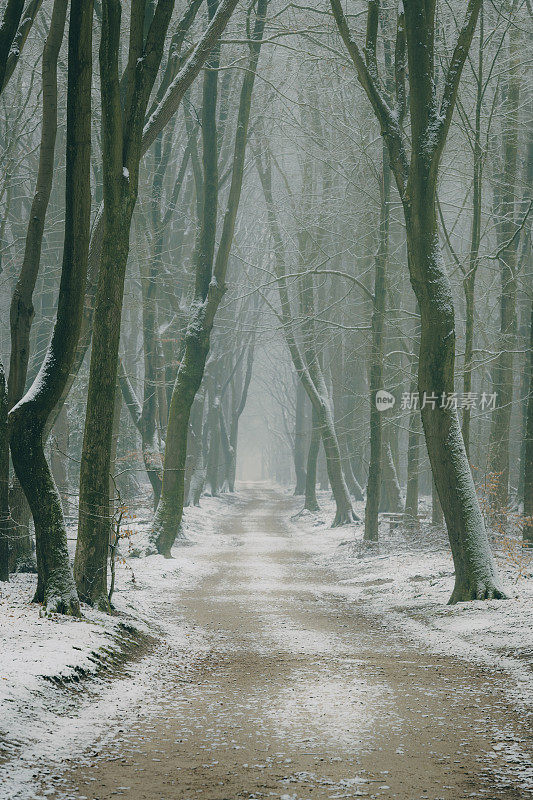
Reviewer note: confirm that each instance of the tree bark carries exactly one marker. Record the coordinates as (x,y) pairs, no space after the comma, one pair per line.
(22,310)
(390,495)
(4,479)
(311,502)
(504,191)
(299,440)
(527,530)
(28,419)
(150,450)
(19,40)
(375,467)
(413,457)
(8,29)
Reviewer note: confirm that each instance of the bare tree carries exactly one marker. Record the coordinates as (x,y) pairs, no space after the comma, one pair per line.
(416,179)
(28,418)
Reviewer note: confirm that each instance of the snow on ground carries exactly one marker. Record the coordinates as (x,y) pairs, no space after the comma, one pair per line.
(40,654)
(408,577)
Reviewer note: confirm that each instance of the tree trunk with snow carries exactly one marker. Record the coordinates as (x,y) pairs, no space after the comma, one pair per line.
(122,132)
(416,179)
(28,419)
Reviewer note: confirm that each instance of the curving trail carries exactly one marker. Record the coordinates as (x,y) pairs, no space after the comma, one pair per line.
(298,694)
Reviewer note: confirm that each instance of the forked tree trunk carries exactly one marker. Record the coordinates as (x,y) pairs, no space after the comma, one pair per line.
(122,131)
(55,585)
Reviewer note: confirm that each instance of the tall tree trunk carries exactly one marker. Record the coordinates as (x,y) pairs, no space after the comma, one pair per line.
(373,489)
(475,573)
(311,502)
(22,312)
(505,190)
(4,479)
(150,451)
(238,406)
(55,586)
(307,360)
(227,450)
(150,444)
(390,495)
(413,456)
(469,280)
(122,150)
(59,447)
(194,467)
(527,531)
(299,439)
(213,458)
(167,520)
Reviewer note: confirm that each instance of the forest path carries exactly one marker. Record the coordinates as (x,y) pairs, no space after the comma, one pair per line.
(299,694)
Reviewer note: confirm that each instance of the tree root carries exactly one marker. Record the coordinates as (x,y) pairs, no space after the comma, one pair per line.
(345,518)
(479,590)
(62,605)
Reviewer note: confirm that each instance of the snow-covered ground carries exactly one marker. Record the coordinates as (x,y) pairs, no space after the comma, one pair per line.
(55,672)
(56,695)
(408,577)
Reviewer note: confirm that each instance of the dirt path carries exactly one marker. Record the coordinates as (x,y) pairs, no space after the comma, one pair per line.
(298,695)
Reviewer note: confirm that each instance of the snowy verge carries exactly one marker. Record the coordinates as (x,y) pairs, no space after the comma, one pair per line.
(408,578)
(54,669)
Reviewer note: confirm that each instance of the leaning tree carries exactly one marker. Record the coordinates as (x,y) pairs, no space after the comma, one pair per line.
(414,158)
